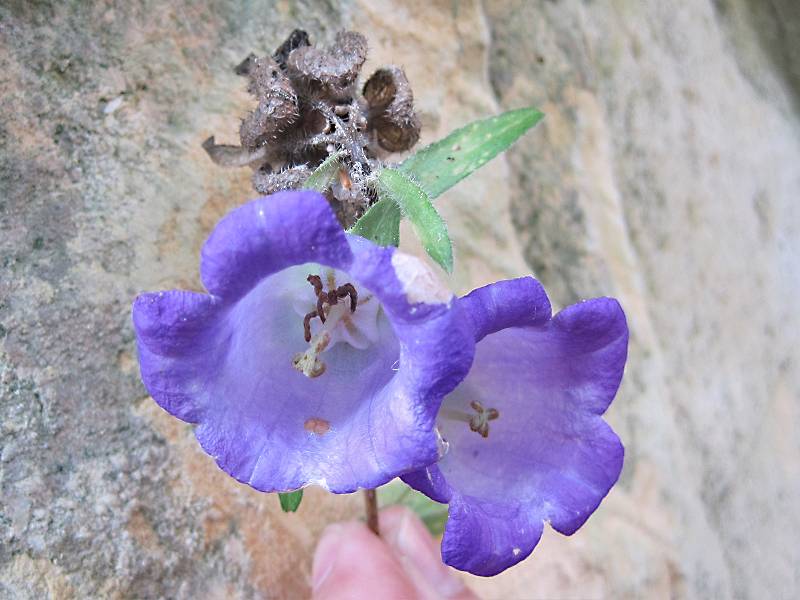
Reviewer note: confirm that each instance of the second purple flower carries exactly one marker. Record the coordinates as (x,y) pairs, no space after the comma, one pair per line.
(525,435)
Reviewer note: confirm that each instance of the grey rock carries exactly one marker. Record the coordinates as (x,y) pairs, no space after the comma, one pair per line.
(665,174)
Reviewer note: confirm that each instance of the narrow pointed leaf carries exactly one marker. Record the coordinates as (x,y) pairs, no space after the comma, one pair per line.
(381,223)
(441,165)
(291,500)
(416,206)
(324,174)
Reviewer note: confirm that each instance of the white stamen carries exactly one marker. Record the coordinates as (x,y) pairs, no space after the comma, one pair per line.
(359,328)
(308,362)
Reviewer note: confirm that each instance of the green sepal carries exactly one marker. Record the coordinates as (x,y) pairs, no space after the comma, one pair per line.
(290,501)
(381,224)
(416,206)
(324,174)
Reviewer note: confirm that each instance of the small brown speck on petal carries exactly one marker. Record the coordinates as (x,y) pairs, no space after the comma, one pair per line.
(317,426)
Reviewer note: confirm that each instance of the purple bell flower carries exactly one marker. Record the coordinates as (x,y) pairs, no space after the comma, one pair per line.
(525,438)
(316,357)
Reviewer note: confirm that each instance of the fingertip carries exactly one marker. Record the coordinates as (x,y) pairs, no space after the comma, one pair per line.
(390,515)
(420,554)
(401,524)
(352,562)
(325,554)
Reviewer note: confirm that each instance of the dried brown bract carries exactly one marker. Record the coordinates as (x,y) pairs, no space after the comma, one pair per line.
(297,39)
(309,107)
(329,72)
(277,107)
(266,181)
(391,109)
(233,156)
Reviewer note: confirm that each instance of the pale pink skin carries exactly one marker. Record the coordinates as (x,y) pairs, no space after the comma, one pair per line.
(352,562)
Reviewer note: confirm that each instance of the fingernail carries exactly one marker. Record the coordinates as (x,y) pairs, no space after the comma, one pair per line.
(325,556)
(423,553)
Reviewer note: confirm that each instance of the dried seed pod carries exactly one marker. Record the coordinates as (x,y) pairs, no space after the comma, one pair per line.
(297,39)
(330,71)
(267,182)
(391,109)
(233,156)
(277,107)
(243,68)
(267,79)
(309,107)
(381,88)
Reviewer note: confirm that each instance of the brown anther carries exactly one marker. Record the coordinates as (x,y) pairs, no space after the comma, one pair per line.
(316,281)
(348,290)
(321,299)
(331,298)
(307,325)
(479,423)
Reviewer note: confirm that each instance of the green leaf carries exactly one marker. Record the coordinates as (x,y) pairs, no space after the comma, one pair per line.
(416,206)
(324,174)
(433,514)
(441,165)
(381,223)
(290,500)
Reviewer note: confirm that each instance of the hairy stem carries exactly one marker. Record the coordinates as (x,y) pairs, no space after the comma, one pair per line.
(349,135)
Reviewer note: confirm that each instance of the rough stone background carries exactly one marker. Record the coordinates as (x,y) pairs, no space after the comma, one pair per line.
(667,173)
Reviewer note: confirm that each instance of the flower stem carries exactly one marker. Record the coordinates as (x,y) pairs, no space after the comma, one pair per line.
(371,504)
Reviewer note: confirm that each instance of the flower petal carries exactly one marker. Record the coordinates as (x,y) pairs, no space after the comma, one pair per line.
(430,482)
(433,329)
(176,347)
(267,235)
(509,303)
(485,538)
(548,455)
(227,361)
(594,336)
(275,429)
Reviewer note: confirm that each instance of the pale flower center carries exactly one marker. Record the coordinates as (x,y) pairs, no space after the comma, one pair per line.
(334,310)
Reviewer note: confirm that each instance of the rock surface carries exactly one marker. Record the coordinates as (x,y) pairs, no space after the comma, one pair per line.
(666,174)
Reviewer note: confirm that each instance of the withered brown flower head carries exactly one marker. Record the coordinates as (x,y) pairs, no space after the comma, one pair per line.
(309,107)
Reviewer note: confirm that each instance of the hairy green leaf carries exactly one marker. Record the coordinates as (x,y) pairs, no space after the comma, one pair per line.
(381,223)
(324,174)
(441,165)
(417,207)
